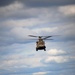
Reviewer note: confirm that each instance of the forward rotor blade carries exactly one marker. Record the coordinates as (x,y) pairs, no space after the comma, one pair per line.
(47,37)
(33,36)
(37,39)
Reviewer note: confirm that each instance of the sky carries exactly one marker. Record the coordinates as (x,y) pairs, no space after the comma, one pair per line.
(20,18)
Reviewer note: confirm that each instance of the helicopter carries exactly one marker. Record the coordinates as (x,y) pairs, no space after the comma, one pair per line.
(40,43)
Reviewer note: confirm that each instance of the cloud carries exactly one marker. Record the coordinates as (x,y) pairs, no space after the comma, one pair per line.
(20,33)
(45,30)
(22,22)
(67,10)
(15,34)
(69,32)
(19,10)
(55,52)
(6,2)
(39,3)
(21,61)
(16,31)
(57,59)
(22,58)
(39,73)
(47,3)
(10,9)
(55,55)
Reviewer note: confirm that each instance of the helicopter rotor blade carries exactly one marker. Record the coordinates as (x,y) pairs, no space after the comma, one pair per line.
(33,36)
(37,39)
(36,36)
(47,37)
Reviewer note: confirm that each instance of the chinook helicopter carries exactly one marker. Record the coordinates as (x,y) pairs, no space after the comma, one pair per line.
(40,43)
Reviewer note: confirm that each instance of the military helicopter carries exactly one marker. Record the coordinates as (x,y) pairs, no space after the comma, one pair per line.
(40,44)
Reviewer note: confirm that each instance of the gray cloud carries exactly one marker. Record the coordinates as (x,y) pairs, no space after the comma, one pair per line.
(38,3)
(47,3)
(5,2)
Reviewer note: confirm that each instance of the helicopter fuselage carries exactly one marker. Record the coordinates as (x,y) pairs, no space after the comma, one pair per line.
(40,45)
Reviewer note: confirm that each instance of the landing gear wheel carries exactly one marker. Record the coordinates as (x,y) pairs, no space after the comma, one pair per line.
(36,49)
(44,49)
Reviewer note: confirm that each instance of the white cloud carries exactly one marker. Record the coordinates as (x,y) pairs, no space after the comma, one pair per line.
(10,9)
(22,22)
(19,28)
(40,73)
(67,31)
(19,23)
(20,61)
(45,30)
(20,33)
(57,59)
(53,56)
(55,52)
(67,10)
